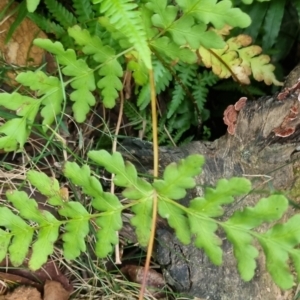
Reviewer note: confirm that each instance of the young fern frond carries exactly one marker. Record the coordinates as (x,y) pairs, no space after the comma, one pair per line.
(124,17)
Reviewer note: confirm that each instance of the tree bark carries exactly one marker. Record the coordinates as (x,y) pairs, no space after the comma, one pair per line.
(254,151)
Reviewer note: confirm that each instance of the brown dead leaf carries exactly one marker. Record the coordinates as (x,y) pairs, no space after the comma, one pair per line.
(19,50)
(49,271)
(23,293)
(53,290)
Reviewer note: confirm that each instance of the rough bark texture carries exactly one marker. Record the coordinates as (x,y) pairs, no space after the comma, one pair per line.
(253,151)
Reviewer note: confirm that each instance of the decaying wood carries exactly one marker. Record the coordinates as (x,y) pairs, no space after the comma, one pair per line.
(253,151)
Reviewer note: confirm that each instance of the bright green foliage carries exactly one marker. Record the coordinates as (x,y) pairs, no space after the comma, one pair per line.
(136,189)
(83,81)
(198,222)
(279,245)
(266,210)
(124,16)
(204,208)
(17,130)
(32,5)
(219,13)
(179,177)
(48,227)
(110,71)
(49,88)
(110,222)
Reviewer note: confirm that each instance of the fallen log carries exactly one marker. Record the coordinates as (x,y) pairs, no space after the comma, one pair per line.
(262,144)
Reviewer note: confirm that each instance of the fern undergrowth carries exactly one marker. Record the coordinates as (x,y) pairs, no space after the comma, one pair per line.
(30,227)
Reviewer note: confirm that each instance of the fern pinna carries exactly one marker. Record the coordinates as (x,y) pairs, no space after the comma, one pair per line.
(39,229)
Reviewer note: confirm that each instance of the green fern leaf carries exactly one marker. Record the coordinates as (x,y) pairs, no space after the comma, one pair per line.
(107,234)
(125,174)
(185,31)
(165,15)
(170,49)
(257,11)
(60,13)
(272,23)
(222,194)
(111,220)
(179,177)
(17,130)
(51,89)
(176,219)
(162,79)
(21,232)
(5,238)
(111,70)
(238,226)
(200,87)
(124,16)
(76,229)
(219,13)
(83,81)
(48,231)
(47,26)
(142,220)
(136,189)
(84,10)
(201,209)
(186,75)
(47,186)
(16,134)
(278,244)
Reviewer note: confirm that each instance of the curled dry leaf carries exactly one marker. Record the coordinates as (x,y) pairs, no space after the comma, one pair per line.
(53,290)
(155,281)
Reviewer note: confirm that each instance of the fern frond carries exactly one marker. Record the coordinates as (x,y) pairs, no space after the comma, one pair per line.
(272,23)
(200,87)
(84,10)
(110,70)
(60,13)
(82,77)
(218,13)
(186,75)
(47,25)
(162,79)
(124,16)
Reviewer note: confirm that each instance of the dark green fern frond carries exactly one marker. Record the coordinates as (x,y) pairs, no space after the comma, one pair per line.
(186,75)
(234,86)
(162,79)
(84,11)
(47,26)
(60,13)
(200,87)
(134,115)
